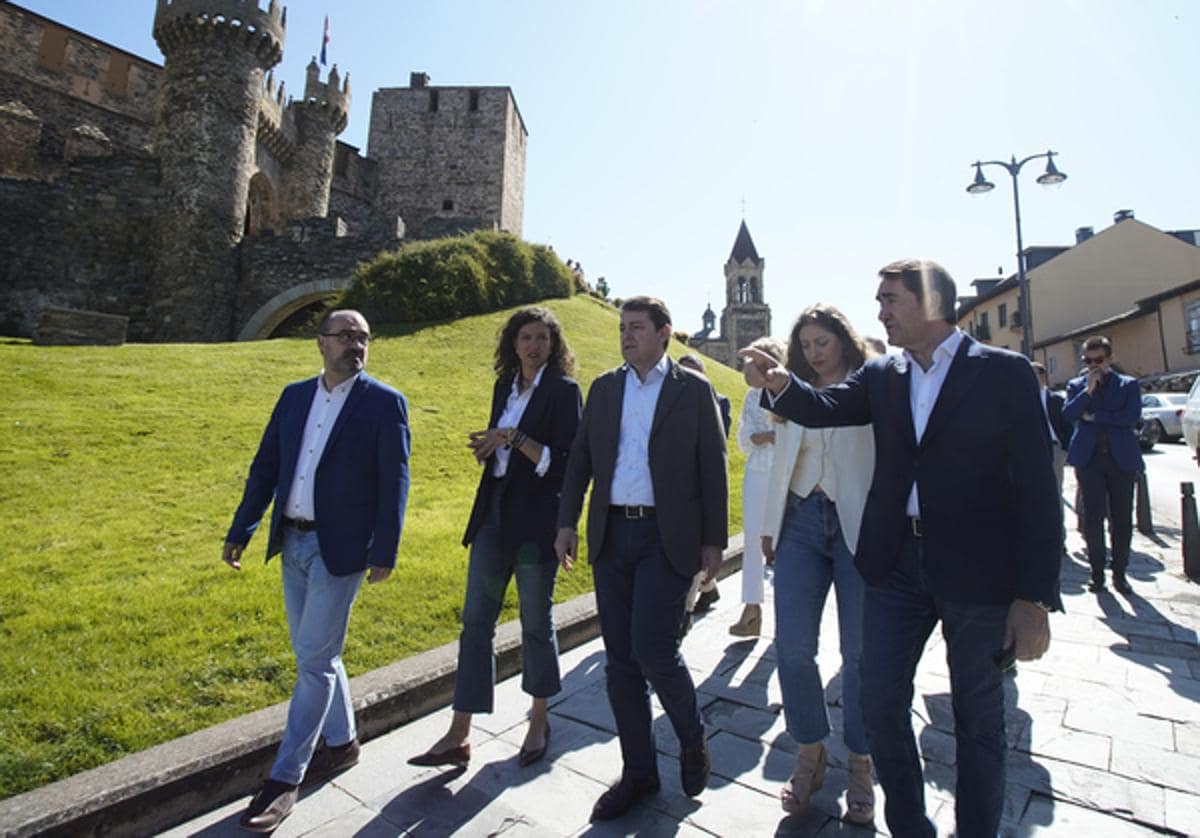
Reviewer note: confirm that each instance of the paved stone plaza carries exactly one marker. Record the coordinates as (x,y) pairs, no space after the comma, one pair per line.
(1104,735)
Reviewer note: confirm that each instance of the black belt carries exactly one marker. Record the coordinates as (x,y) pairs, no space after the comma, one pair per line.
(299,524)
(914,524)
(634,512)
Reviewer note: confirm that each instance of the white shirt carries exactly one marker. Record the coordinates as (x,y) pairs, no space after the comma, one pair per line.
(755,420)
(514,409)
(322,414)
(631,483)
(924,387)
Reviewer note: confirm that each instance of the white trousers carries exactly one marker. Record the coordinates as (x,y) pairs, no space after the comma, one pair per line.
(754,497)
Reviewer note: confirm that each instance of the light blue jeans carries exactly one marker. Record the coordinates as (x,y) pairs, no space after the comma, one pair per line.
(810,555)
(318,612)
(488,573)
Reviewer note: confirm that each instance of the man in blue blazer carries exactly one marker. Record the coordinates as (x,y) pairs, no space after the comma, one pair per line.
(1105,407)
(961,526)
(334,459)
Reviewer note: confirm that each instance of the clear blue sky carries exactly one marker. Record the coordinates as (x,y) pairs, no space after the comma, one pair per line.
(846,129)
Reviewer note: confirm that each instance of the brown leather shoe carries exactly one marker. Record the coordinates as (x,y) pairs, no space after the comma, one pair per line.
(459,756)
(531,756)
(273,803)
(328,761)
(621,798)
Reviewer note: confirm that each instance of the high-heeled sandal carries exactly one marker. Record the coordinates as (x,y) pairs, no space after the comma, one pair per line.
(860,792)
(808,776)
(750,625)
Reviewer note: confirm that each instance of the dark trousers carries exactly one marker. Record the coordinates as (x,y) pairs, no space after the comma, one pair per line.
(898,618)
(640,599)
(1106,489)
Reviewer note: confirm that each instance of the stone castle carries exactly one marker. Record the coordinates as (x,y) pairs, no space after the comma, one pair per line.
(746,316)
(197,200)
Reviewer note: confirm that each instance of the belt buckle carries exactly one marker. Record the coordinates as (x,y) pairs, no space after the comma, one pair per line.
(635,513)
(915,523)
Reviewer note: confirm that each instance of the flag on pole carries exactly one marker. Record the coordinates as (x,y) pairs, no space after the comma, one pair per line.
(325,41)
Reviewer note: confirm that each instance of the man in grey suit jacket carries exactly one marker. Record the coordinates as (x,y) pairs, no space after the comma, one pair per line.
(652,446)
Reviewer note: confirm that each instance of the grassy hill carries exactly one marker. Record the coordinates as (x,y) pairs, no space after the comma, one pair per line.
(121,627)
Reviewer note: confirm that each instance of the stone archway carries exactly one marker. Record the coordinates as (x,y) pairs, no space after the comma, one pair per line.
(261,211)
(277,309)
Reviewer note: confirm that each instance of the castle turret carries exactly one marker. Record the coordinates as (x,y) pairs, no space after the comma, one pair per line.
(746,317)
(317,120)
(216,53)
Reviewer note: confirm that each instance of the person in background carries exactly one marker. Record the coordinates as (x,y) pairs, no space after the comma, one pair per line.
(651,445)
(1060,430)
(815,493)
(334,459)
(1105,407)
(960,528)
(703,594)
(534,414)
(756,438)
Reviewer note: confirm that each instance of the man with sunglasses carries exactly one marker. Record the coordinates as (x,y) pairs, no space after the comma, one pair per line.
(334,459)
(1105,407)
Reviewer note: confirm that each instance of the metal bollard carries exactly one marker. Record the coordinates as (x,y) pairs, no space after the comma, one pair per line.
(1145,522)
(1191,533)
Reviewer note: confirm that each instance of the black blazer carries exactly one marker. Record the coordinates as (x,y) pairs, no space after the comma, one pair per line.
(528,503)
(989,509)
(1062,428)
(687,465)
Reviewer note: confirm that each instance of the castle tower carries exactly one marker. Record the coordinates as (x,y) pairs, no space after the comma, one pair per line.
(746,316)
(318,119)
(216,52)
(449,157)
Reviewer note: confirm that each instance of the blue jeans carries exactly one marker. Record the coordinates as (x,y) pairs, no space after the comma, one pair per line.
(488,573)
(812,554)
(898,619)
(640,599)
(318,612)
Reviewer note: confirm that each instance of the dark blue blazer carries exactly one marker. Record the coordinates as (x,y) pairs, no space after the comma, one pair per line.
(528,503)
(1115,408)
(361,482)
(989,510)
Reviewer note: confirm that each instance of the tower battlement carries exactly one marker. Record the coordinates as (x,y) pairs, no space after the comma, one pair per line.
(327,96)
(180,22)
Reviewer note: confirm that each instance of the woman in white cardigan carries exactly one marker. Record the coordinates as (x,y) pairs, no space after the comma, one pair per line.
(816,491)
(756,438)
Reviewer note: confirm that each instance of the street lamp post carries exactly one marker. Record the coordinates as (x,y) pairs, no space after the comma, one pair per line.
(980,185)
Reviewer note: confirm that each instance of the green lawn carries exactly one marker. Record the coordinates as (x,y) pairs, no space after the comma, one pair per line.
(120,626)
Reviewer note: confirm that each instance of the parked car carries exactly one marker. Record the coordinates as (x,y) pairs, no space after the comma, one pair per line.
(1191,419)
(1165,409)
(1148,434)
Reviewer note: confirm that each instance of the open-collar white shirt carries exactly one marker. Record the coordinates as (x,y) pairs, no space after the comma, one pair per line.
(924,387)
(631,483)
(322,415)
(514,409)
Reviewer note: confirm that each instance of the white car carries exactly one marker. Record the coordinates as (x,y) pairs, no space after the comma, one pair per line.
(1166,410)
(1191,418)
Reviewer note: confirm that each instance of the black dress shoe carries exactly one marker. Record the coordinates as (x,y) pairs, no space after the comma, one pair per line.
(529,757)
(327,761)
(693,769)
(705,601)
(1096,586)
(459,756)
(620,798)
(273,803)
(1122,584)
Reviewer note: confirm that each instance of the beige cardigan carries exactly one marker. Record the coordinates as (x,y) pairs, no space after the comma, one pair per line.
(853,456)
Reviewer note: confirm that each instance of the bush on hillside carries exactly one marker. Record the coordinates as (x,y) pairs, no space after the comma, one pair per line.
(449,278)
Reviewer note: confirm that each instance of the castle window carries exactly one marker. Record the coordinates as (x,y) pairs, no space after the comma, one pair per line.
(755,296)
(447,205)
(473,101)
(741,290)
(433,101)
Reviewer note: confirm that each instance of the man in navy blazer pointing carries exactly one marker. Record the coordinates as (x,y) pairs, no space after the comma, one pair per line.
(334,459)
(961,527)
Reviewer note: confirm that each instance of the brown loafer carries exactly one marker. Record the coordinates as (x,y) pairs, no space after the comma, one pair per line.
(328,761)
(459,757)
(274,802)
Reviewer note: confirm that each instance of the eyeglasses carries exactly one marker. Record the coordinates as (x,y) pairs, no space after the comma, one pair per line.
(348,337)
(1092,361)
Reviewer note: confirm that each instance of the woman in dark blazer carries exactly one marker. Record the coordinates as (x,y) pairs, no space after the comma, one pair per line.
(535,411)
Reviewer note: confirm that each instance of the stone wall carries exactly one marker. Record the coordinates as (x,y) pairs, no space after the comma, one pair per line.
(448,152)
(71,327)
(85,242)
